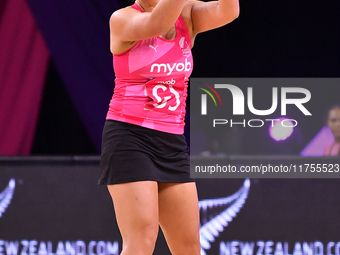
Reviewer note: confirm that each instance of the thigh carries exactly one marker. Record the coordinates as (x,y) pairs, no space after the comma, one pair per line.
(136,208)
(179,217)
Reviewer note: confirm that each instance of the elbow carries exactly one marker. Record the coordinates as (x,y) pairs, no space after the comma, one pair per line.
(230,13)
(236,11)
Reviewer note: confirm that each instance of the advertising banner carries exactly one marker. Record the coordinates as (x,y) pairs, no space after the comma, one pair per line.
(55,207)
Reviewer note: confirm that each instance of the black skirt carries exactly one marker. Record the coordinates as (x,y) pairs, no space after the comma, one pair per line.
(134,153)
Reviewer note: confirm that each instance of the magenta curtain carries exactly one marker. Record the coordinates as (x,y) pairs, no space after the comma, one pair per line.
(23,64)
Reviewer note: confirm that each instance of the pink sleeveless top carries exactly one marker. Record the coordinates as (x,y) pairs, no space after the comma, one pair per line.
(151,82)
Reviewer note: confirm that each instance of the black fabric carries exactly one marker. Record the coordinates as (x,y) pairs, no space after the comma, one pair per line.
(134,153)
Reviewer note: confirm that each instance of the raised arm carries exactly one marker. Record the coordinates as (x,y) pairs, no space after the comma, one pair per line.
(128,25)
(209,15)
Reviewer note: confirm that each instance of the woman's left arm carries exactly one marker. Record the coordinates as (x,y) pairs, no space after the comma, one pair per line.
(205,16)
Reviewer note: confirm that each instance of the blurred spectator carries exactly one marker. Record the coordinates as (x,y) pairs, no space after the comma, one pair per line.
(333,122)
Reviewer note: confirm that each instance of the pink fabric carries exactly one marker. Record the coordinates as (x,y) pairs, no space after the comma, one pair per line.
(151,82)
(23,64)
(332,149)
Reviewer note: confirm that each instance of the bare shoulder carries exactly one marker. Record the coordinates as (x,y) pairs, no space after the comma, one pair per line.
(117,22)
(121,15)
(123,11)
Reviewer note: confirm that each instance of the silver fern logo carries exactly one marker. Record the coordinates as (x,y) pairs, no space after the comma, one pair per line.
(217,213)
(6,196)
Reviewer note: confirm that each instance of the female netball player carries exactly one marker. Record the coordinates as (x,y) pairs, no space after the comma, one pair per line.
(144,159)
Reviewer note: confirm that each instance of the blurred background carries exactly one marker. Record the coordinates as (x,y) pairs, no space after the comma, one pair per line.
(56,76)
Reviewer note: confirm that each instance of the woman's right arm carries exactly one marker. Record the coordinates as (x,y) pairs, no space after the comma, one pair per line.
(128,25)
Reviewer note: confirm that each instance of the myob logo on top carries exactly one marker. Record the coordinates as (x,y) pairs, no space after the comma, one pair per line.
(168,68)
(231,101)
